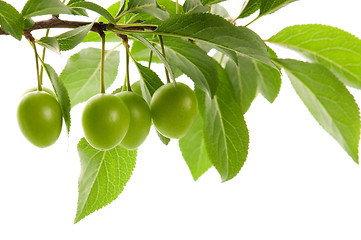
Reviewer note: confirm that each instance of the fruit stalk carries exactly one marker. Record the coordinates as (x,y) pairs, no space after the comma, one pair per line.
(163,52)
(176,7)
(43,58)
(37,65)
(102,85)
(150,58)
(126,45)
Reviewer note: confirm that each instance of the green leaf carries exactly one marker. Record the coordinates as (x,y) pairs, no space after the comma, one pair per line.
(61,93)
(78,11)
(336,49)
(140,52)
(156,52)
(118,90)
(221,11)
(123,7)
(81,74)
(194,62)
(249,77)
(328,100)
(250,7)
(149,83)
(265,7)
(217,31)
(243,76)
(110,37)
(211,2)
(94,7)
(269,79)
(201,100)
(11,21)
(72,38)
(193,149)
(113,10)
(225,130)
(67,40)
(170,6)
(194,6)
(43,7)
(50,43)
(103,176)
(271,6)
(220,58)
(94,37)
(28,23)
(149,7)
(163,138)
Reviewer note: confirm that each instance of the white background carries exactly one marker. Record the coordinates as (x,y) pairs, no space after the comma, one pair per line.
(297,182)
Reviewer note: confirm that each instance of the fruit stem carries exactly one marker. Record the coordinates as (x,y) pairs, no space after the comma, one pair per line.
(150,58)
(43,58)
(126,45)
(163,52)
(176,7)
(37,65)
(102,85)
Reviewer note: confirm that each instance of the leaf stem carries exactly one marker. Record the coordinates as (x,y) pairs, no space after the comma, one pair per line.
(121,15)
(163,52)
(252,21)
(102,85)
(40,88)
(43,58)
(176,7)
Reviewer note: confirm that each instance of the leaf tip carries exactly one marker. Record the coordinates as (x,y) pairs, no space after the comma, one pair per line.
(224,179)
(79,216)
(77,219)
(356,159)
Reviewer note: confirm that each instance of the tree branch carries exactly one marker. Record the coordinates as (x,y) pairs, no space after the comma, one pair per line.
(98,27)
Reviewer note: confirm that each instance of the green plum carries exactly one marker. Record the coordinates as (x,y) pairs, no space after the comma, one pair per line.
(140,119)
(40,118)
(105,121)
(173,109)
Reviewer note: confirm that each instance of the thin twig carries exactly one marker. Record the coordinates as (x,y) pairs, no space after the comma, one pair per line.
(55,22)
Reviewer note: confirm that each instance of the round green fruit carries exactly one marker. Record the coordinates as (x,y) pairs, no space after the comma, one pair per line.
(173,109)
(40,118)
(140,119)
(105,121)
